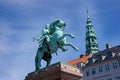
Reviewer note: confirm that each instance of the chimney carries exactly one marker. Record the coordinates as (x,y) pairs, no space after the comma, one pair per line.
(107,46)
(82,55)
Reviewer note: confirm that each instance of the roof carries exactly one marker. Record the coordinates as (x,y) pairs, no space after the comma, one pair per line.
(81,60)
(84,59)
(105,55)
(115,49)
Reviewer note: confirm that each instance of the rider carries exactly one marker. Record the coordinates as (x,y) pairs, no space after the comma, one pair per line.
(45,35)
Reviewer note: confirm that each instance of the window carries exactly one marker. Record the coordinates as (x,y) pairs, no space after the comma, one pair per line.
(117,78)
(89,40)
(114,65)
(99,57)
(107,67)
(87,28)
(94,71)
(100,69)
(109,79)
(79,65)
(110,54)
(119,64)
(87,72)
(92,40)
(90,60)
(90,27)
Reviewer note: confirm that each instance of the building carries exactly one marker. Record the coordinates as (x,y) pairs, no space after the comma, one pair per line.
(101,65)
(96,64)
(104,65)
(80,62)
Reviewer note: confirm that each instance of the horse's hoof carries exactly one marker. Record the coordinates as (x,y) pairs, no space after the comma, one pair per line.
(72,36)
(77,49)
(65,50)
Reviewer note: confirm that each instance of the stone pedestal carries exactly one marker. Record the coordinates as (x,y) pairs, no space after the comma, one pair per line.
(58,71)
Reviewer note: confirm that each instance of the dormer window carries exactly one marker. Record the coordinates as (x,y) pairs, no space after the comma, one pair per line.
(99,58)
(79,65)
(91,60)
(110,54)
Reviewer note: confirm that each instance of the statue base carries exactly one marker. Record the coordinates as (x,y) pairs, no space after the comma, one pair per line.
(57,71)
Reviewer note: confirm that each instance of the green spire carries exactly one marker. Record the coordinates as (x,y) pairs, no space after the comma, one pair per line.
(91,42)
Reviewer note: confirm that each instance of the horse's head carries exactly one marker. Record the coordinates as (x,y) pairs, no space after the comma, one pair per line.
(60,23)
(57,25)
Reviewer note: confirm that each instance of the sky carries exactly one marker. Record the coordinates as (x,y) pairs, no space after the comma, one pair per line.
(22,20)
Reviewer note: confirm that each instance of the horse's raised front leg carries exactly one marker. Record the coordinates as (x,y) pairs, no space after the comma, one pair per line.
(64,35)
(70,35)
(74,47)
(38,59)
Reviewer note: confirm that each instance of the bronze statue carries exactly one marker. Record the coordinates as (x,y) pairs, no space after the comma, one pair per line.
(52,39)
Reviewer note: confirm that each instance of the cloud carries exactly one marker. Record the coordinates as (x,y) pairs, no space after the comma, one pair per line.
(15,67)
(17,49)
(24,19)
(5,32)
(21,3)
(15,40)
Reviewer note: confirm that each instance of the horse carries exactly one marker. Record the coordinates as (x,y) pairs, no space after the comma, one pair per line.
(57,40)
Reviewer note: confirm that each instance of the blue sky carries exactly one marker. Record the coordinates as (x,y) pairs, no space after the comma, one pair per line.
(21,20)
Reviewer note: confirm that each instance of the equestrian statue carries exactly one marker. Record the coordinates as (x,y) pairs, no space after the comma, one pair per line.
(50,41)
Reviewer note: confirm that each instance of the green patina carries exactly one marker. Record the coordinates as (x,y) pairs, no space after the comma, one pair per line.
(51,40)
(91,42)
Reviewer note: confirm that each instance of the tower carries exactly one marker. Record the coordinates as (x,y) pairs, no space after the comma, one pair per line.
(91,42)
